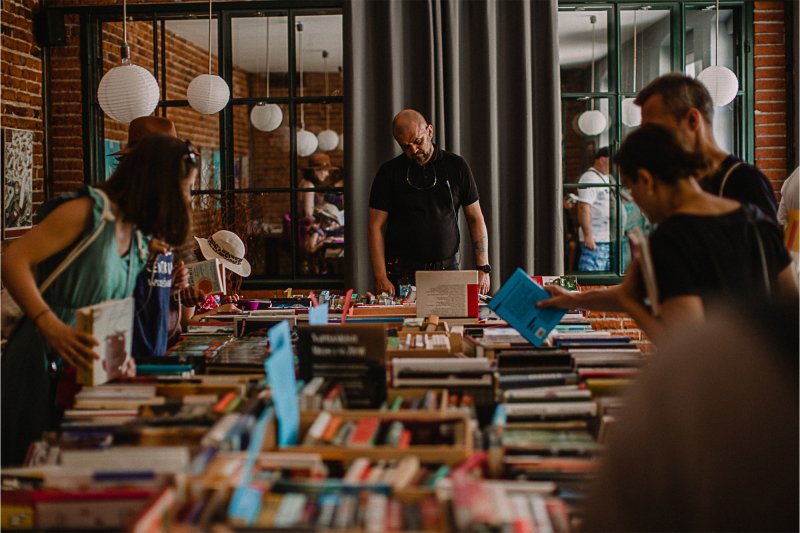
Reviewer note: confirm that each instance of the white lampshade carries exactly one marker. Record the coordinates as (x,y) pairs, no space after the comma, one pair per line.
(208,94)
(128,92)
(328,139)
(592,122)
(306,143)
(721,83)
(631,113)
(266,117)
(340,146)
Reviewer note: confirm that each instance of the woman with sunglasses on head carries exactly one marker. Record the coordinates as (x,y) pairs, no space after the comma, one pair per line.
(705,247)
(148,195)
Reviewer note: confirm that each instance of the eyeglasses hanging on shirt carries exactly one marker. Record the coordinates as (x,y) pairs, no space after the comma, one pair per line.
(424,174)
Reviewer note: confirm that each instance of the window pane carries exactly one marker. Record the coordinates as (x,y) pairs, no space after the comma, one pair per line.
(207,215)
(321,33)
(186,47)
(261,158)
(702,46)
(631,218)
(319,118)
(727,127)
(652,47)
(596,205)
(575,34)
(264,221)
(251,53)
(578,148)
(203,131)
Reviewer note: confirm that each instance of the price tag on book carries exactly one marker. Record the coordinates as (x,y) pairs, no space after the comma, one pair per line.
(280,374)
(318,316)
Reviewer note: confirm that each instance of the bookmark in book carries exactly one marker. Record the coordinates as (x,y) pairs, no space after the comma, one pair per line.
(346,307)
(280,374)
(318,315)
(245,503)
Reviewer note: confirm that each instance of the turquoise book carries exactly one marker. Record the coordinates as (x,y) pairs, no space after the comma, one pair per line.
(515,303)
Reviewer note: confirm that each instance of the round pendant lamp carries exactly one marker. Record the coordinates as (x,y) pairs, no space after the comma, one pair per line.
(266,117)
(208,93)
(128,91)
(307,142)
(592,122)
(721,82)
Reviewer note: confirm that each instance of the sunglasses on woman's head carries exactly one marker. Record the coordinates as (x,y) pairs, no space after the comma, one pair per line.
(192,154)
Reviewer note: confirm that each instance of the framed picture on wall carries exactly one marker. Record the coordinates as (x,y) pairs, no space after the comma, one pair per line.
(17,150)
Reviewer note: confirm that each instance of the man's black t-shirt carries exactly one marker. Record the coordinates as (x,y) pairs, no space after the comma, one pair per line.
(716,256)
(746,184)
(422,203)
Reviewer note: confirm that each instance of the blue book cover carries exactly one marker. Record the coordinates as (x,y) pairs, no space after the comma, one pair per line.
(515,303)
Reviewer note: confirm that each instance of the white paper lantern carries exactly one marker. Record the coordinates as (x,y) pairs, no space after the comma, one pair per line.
(128,92)
(631,113)
(306,143)
(721,83)
(328,139)
(266,117)
(592,122)
(208,94)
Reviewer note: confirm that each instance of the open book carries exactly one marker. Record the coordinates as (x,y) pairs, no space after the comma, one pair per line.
(640,249)
(208,276)
(515,302)
(111,323)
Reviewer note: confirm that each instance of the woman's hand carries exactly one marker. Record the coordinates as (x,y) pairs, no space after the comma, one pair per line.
(631,289)
(226,308)
(560,298)
(192,296)
(74,346)
(229,299)
(180,277)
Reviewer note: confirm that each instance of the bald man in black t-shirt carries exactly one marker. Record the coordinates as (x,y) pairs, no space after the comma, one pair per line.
(414,203)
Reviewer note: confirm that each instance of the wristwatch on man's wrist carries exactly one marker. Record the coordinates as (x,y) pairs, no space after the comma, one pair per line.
(487,268)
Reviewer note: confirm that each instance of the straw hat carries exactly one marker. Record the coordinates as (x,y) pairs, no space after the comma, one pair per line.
(330,211)
(228,248)
(141,127)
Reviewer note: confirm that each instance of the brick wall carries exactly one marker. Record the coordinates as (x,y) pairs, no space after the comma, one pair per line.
(21,81)
(771,78)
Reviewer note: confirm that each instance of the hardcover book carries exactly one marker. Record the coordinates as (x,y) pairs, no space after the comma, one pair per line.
(207,276)
(447,293)
(111,323)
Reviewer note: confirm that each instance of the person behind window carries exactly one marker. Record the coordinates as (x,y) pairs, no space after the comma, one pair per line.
(594,215)
(320,173)
(325,238)
(704,246)
(684,105)
(148,195)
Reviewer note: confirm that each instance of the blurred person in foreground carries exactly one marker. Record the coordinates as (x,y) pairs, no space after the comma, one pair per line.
(708,438)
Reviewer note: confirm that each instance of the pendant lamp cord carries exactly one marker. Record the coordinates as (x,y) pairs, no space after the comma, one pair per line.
(716,38)
(327,106)
(300,61)
(209,36)
(593,20)
(634,50)
(266,47)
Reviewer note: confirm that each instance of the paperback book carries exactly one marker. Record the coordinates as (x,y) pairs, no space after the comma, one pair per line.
(111,323)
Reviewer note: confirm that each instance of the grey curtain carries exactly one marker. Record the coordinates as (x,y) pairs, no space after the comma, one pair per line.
(485,73)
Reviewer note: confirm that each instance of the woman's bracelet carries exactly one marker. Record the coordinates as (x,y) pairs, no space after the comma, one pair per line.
(39,314)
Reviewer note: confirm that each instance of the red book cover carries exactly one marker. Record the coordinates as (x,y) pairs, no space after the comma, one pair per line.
(364,432)
(472,300)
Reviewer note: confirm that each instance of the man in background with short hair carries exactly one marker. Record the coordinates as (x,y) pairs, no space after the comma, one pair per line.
(684,105)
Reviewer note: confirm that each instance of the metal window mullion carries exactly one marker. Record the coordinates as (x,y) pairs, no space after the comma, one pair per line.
(293,211)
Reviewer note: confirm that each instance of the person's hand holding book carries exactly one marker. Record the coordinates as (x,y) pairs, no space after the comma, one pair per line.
(74,346)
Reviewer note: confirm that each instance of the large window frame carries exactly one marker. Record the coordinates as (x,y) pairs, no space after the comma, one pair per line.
(744,108)
(92,19)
